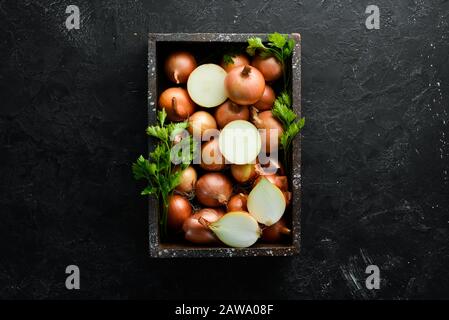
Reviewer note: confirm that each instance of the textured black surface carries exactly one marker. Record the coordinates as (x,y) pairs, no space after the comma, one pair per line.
(375,150)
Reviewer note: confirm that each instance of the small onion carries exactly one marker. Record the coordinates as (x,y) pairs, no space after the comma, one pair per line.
(179,209)
(187,180)
(243,173)
(267,100)
(201,121)
(179,65)
(177,104)
(244,85)
(275,232)
(237,61)
(211,157)
(236,229)
(229,111)
(213,189)
(266,202)
(266,121)
(238,202)
(270,67)
(197,233)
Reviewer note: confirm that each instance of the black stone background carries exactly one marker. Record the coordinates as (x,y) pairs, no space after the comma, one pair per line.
(375,150)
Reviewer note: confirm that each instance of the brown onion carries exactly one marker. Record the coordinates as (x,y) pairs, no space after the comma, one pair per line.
(275,232)
(244,85)
(177,104)
(267,100)
(279,181)
(270,67)
(197,233)
(271,165)
(187,180)
(229,111)
(179,209)
(213,189)
(237,61)
(238,202)
(265,120)
(243,173)
(179,65)
(211,157)
(201,121)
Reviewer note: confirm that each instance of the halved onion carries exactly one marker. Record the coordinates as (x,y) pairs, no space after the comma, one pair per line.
(240,142)
(206,85)
(266,202)
(236,229)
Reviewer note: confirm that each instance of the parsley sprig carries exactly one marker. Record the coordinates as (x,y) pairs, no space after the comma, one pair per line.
(157,168)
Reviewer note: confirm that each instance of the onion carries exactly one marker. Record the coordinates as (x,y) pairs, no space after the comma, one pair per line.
(267,100)
(211,157)
(272,130)
(279,181)
(275,232)
(237,60)
(244,85)
(179,209)
(179,65)
(266,202)
(268,165)
(236,229)
(206,85)
(229,111)
(177,104)
(187,180)
(240,142)
(244,173)
(238,202)
(213,189)
(288,197)
(270,67)
(201,121)
(197,233)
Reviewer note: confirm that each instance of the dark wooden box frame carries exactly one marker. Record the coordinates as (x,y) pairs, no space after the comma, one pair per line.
(170,250)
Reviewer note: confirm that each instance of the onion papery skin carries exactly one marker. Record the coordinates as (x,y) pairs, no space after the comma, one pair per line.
(213,189)
(179,209)
(230,111)
(179,65)
(177,104)
(244,85)
(270,67)
(267,100)
(195,232)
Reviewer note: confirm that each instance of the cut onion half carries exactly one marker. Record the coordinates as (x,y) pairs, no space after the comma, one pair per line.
(240,142)
(266,202)
(236,229)
(206,85)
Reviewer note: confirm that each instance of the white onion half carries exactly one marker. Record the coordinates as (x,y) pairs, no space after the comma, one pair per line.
(240,142)
(266,202)
(206,85)
(236,229)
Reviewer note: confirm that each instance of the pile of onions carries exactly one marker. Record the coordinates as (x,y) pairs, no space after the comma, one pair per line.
(206,85)
(275,232)
(267,100)
(244,173)
(179,209)
(273,130)
(179,65)
(187,180)
(177,104)
(211,157)
(201,121)
(237,61)
(238,202)
(197,233)
(213,189)
(270,67)
(245,85)
(229,111)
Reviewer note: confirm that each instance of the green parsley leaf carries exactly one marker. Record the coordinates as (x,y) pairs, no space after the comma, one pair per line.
(277,40)
(254,44)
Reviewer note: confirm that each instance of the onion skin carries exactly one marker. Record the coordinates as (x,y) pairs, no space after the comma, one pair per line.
(177,104)
(238,202)
(210,153)
(213,189)
(179,65)
(244,85)
(229,111)
(275,232)
(187,180)
(265,120)
(237,61)
(243,173)
(267,100)
(201,121)
(270,67)
(197,233)
(179,209)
